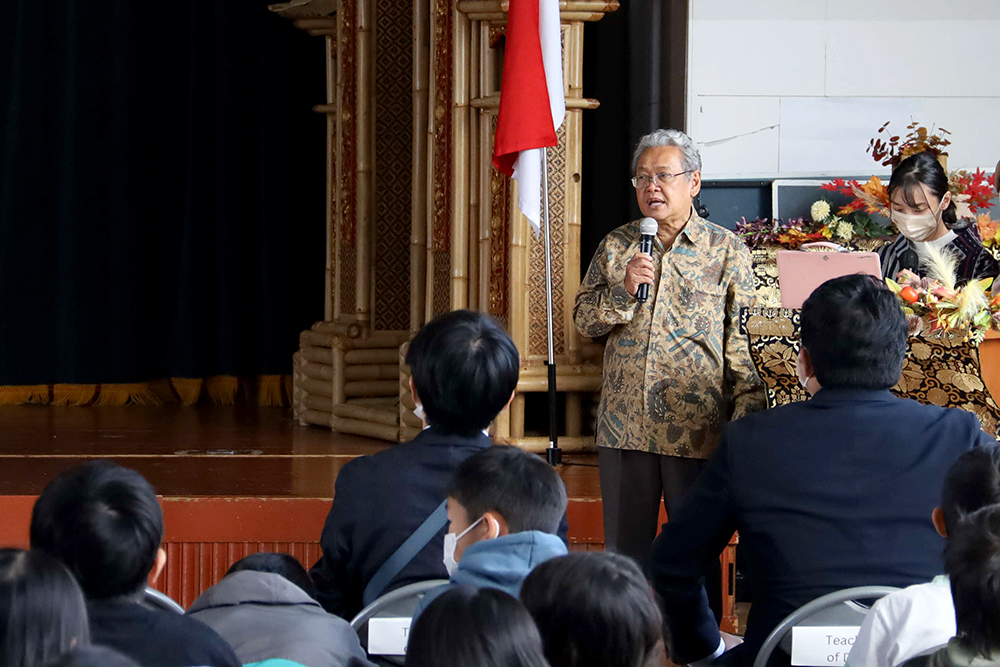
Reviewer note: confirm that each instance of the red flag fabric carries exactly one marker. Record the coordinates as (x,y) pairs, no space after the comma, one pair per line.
(525,117)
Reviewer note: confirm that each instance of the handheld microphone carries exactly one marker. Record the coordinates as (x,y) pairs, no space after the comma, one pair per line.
(647,230)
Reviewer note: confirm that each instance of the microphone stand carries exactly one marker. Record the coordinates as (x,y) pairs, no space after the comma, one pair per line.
(553,454)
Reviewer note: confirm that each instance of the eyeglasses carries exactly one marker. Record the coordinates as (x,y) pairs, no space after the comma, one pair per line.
(640,182)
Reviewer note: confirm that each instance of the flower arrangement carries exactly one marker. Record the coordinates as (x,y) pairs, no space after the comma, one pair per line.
(935,301)
(989,230)
(971,190)
(823,225)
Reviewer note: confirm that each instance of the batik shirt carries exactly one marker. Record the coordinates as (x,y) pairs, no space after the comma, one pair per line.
(675,367)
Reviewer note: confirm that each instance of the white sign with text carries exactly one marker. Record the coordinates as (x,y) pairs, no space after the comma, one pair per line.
(388,635)
(822,645)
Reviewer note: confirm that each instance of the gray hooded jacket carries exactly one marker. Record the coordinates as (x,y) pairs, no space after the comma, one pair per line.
(264,616)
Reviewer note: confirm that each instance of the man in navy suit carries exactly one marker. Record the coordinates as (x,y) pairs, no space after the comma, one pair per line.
(464,369)
(826,494)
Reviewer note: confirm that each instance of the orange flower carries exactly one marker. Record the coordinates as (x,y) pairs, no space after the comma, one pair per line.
(988,229)
(874,194)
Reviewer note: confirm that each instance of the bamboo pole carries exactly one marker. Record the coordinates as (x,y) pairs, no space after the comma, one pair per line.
(335,204)
(574,415)
(331,173)
(337,380)
(315,387)
(368,388)
(493,102)
(371,372)
(379,340)
(365,161)
(380,356)
(317,418)
(518,302)
(501,425)
(517,416)
(418,184)
(572,236)
(346,329)
(373,401)
(317,371)
(538,445)
(475,168)
(318,355)
(368,414)
(368,429)
(564,382)
(319,403)
(410,419)
(564,369)
(460,161)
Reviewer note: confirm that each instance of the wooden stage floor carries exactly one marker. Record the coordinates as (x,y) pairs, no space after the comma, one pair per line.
(232,480)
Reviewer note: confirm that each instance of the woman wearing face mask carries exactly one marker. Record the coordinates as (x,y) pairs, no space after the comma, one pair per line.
(924,212)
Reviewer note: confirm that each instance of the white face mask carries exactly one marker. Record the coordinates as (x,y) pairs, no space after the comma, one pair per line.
(418,412)
(916,227)
(803,379)
(450,542)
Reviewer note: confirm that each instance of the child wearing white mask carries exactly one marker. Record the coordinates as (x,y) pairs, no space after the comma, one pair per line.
(504,510)
(926,215)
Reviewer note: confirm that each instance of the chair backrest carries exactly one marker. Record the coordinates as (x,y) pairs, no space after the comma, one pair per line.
(401,601)
(157,600)
(833,609)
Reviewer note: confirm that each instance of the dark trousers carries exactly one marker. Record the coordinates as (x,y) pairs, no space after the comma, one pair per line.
(632,484)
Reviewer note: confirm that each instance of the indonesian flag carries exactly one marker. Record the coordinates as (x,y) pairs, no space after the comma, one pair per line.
(532,105)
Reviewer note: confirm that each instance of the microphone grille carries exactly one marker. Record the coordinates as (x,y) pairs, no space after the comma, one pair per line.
(649,226)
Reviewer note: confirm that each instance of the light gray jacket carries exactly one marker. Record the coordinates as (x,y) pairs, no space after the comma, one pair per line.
(264,616)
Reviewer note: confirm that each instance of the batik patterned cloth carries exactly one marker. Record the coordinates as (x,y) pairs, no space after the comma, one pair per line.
(941,367)
(675,367)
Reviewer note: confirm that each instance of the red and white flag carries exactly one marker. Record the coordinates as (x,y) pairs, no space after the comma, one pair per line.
(532,104)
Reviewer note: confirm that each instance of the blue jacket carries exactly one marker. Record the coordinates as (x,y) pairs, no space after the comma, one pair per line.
(501,563)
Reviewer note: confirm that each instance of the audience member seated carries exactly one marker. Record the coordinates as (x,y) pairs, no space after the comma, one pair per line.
(594,610)
(470,627)
(504,507)
(921,617)
(265,608)
(42,611)
(94,656)
(464,369)
(829,493)
(972,562)
(104,523)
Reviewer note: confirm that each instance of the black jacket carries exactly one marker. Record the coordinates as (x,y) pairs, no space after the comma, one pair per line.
(826,494)
(156,638)
(379,501)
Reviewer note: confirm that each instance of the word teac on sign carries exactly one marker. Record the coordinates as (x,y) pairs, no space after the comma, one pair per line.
(387,635)
(822,645)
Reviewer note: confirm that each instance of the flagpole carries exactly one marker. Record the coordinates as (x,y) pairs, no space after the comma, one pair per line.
(553,454)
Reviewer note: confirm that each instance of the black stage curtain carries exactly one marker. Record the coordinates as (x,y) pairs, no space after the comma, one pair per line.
(634,62)
(161,190)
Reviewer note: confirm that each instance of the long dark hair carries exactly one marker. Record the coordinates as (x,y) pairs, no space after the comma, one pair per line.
(42,611)
(468,627)
(972,561)
(924,169)
(594,610)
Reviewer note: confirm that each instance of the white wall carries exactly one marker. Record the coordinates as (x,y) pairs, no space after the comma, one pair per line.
(798,87)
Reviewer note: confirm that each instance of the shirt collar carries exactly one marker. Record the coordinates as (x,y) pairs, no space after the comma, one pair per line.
(695,230)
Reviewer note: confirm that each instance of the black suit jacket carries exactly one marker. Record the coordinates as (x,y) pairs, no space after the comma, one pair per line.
(157,638)
(379,501)
(826,494)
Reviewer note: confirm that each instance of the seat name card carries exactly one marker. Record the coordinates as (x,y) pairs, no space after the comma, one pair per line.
(387,635)
(822,645)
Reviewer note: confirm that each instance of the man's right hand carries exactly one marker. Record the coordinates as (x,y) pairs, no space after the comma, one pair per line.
(640,270)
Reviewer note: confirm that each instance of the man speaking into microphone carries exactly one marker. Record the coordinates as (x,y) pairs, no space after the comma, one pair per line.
(676,367)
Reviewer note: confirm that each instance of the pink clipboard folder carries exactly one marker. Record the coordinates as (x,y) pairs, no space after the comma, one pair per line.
(800,272)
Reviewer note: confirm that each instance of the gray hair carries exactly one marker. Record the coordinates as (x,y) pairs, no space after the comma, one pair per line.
(690,157)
